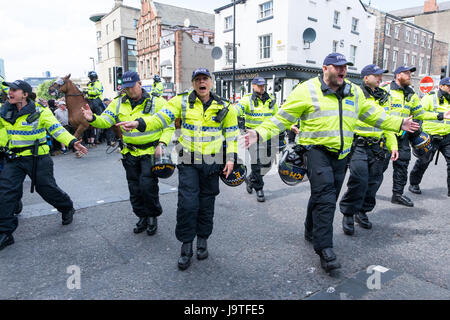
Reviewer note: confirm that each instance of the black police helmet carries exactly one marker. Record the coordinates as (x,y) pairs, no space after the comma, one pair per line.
(163,166)
(236,177)
(421,145)
(292,168)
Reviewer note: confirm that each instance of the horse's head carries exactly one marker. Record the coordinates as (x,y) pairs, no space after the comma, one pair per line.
(60,85)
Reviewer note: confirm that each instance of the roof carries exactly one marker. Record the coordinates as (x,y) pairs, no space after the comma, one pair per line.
(175,16)
(415,11)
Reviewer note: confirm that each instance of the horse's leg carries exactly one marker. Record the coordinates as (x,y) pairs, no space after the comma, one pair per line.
(79,135)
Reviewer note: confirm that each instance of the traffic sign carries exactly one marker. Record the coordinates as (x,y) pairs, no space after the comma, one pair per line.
(426,84)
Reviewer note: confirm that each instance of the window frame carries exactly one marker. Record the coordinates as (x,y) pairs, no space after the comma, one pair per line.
(263,11)
(231,24)
(336,18)
(261,47)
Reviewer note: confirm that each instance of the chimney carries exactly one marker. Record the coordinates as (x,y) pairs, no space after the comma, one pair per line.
(118,3)
(430,6)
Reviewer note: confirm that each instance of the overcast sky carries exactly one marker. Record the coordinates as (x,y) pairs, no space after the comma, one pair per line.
(57,35)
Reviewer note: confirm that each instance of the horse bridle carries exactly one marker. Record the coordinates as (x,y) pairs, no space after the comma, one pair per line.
(60,83)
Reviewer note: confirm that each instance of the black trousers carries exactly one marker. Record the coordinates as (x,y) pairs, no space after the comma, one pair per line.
(400,167)
(326,175)
(198,187)
(262,156)
(143,186)
(11,188)
(367,166)
(421,165)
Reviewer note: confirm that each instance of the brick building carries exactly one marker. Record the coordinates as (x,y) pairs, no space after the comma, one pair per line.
(172,41)
(399,42)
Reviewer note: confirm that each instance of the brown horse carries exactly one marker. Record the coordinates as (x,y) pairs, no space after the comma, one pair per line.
(75,100)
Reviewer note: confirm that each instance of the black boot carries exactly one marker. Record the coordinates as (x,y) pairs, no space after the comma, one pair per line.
(186,254)
(402,199)
(202,248)
(348,225)
(6,240)
(260,196)
(414,188)
(328,260)
(362,219)
(67,217)
(152,225)
(249,186)
(141,225)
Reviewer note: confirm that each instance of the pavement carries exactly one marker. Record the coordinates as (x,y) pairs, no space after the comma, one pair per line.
(257,250)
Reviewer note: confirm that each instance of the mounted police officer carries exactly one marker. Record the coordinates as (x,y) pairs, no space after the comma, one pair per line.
(3,91)
(439,132)
(26,126)
(140,146)
(255,108)
(371,148)
(328,108)
(157,87)
(207,122)
(94,97)
(405,103)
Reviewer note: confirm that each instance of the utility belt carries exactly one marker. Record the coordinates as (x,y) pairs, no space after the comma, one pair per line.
(189,157)
(134,147)
(369,141)
(12,153)
(328,151)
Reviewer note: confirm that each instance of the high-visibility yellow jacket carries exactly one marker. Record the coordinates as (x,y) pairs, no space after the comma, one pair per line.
(326,120)
(405,103)
(158,88)
(3,90)
(254,110)
(120,109)
(436,102)
(30,124)
(199,132)
(95,90)
(3,137)
(366,130)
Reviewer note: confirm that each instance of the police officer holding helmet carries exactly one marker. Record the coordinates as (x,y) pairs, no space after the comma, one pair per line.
(27,126)
(371,148)
(440,135)
(140,145)
(207,121)
(406,103)
(328,108)
(255,108)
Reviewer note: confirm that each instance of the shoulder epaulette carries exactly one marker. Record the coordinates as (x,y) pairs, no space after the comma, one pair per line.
(183,93)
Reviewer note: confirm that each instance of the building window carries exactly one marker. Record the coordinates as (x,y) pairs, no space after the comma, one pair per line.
(396,32)
(110,74)
(228,23)
(335,45)
(148,68)
(135,23)
(388,29)
(430,41)
(155,65)
(337,15)
(427,66)
(355,25)
(416,38)
(99,55)
(405,59)
(422,41)
(99,35)
(353,54)
(421,65)
(266,10)
(408,36)
(385,58)
(265,47)
(107,29)
(114,25)
(394,59)
(413,60)
(229,55)
(154,35)
(107,50)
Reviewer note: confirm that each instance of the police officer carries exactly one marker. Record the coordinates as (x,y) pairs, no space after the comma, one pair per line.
(94,98)
(255,108)
(207,121)
(26,127)
(140,146)
(439,132)
(404,103)
(371,147)
(328,108)
(3,91)
(157,87)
